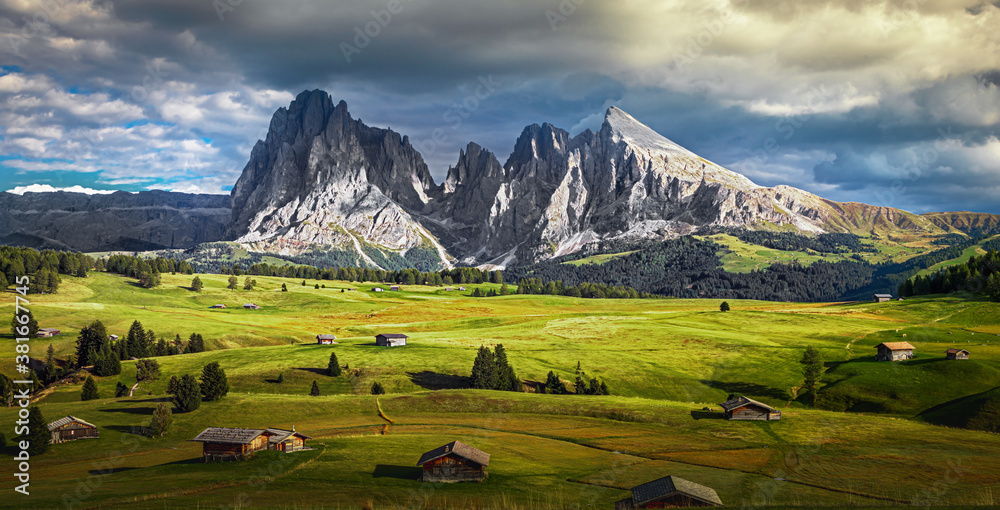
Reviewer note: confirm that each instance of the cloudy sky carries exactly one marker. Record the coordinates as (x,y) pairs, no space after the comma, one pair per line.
(893,103)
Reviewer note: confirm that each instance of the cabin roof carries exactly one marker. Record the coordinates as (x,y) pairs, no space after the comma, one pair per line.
(67,420)
(670,485)
(279,435)
(228,435)
(458,448)
(882,295)
(391,335)
(956,351)
(48,329)
(326,337)
(897,346)
(738,402)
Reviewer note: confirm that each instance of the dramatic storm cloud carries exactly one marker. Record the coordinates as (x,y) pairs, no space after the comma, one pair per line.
(894,103)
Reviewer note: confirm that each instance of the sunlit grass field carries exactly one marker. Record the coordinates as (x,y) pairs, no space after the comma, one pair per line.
(663,360)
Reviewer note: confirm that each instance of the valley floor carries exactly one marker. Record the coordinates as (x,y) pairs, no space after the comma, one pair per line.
(664,361)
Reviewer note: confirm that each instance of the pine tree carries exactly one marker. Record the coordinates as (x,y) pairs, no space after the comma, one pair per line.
(281,377)
(314,391)
(604,389)
(554,385)
(724,307)
(484,375)
(233,282)
(162,418)
(24,325)
(92,338)
(247,284)
(377,388)
(333,367)
(580,386)
(89,390)
(187,398)
(38,436)
(214,384)
(120,390)
(594,388)
(812,368)
(135,341)
(172,385)
(507,379)
(284,288)
(197,284)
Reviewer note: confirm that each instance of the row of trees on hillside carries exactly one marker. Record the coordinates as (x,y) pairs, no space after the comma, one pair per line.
(492,371)
(980,274)
(44,267)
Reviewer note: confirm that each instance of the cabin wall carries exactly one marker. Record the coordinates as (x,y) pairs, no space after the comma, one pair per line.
(74,431)
(748,413)
(675,501)
(452,468)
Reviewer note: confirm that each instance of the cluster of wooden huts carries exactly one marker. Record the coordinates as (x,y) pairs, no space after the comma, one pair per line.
(902,351)
(222,443)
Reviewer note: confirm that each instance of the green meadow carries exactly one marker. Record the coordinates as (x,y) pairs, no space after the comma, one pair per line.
(877,437)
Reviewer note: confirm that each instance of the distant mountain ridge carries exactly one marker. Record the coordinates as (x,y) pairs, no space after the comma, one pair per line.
(324,181)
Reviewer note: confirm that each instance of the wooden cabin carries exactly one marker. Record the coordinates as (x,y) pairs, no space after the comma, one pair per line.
(376,289)
(742,408)
(72,428)
(394,288)
(390,339)
(287,441)
(251,306)
(669,492)
(113,338)
(220,443)
(461,288)
(881,298)
(48,332)
(454,462)
(326,339)
(218,306)
(956,354)
(894,351)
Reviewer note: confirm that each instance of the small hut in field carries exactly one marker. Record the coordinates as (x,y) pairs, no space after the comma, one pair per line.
(742,408)
(326,339)
(894,351)
(454,462)
(220,443)
(390,339)
(71,428)
(48,332)
(881,298)
(669,492)
(956,354)
(287,441)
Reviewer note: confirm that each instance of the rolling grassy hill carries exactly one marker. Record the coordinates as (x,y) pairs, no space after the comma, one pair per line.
(664,360)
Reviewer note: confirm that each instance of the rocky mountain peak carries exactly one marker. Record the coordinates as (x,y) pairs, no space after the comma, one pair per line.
(619,126)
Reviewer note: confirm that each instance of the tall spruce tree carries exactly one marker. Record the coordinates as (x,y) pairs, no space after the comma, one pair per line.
(187,398)
(554,385)
(89,391)
(333,367)
(24,325)
(314,391)
(91,340)
(812,368)
(162,418)
(214,384)
(484,370)
(507,379)
(135,341)
(38,436)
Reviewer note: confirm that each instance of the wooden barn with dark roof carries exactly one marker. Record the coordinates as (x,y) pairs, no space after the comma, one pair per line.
(742,408)
(286,440)
(71,428)
(220,443)
(956,354)
(894,351)
(669,492)
(390,339)
(454,462)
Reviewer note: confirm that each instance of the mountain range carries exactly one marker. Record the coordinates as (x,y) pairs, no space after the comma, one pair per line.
(322,180)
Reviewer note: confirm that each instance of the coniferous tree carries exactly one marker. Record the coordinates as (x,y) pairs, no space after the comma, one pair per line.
(314,391)
(247,284)
(812,368)
(172,385)
(38,436)
(281,377)
(333,367)
(377,388)
(163,417)
(196,284)
(507,379)
(484,370)
(604,389)
(187,397)
(724,307)
(284,288)
(594,388)
(89,391)
(580,386)
(135,341)
(233,282)
(214,384)
(120,390)
(91,340)
(24,325)
(554,385)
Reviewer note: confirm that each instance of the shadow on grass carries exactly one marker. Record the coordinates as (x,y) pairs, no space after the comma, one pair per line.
(100,472)
(400,472)
(707,415)
(435,381)
(317,371)
(135,430)
(130,410)
(159,399)
(748,389)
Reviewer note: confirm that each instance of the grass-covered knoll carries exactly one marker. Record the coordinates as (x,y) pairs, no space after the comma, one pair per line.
(546,451)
